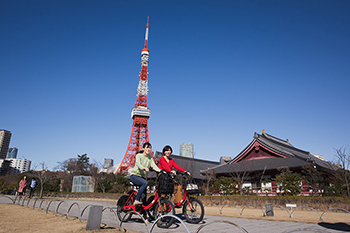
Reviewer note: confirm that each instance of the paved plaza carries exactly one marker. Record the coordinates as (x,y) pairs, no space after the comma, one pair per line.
(210,223)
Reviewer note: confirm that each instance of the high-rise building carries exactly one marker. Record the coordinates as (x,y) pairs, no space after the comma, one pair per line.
(12,153)
(5,137)
(108,163)
(4,166)
(18,166)
(186,150)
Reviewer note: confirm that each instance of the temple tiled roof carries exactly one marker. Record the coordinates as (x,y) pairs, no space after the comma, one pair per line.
(194,166)
(293,157)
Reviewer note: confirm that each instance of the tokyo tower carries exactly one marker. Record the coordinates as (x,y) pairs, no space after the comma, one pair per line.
(140,114)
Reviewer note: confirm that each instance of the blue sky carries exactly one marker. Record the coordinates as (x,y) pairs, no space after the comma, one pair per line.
(219,71)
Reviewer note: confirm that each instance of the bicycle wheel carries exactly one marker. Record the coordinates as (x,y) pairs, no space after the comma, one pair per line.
(123,201)
(150,211)
(164,207)
(193,211)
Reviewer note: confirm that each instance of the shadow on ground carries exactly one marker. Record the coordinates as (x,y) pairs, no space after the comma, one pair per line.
(340,226)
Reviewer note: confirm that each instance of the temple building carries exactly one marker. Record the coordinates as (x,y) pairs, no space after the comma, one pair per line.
(260,162)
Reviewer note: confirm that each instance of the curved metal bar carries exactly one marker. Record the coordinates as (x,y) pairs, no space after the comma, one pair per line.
(47,207)
(337,208)
(115,213)
(82,212)
(133,212)
(24,198)
(13,201)
(306,207)
(254,206)
(213,204)
(41,203)
(36,199)
(283,208)
(28,201)
(75,203)
(234,206)
(305,229)
(58,206)
(169,215)
(218,221)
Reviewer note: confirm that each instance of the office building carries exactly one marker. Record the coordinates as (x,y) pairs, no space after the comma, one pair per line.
(5,137)
(12,153)
(4,166)
(186,150)
(108,163)
(18,166)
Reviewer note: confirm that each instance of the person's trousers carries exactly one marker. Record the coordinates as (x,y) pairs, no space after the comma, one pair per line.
(139,181)
(31,194)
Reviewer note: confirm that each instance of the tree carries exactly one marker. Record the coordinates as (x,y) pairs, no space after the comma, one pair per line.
(240,177)
(288,182)
(44,177)
(224,185)
(313,177)
(83,165)
(343,159)
(210,177)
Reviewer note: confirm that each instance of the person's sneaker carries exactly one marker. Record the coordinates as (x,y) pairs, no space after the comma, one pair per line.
(136,202)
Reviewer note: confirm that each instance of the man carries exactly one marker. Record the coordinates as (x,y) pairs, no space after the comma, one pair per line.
(32,184)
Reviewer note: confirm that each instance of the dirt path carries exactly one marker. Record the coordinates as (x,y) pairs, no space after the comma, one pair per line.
(16,218)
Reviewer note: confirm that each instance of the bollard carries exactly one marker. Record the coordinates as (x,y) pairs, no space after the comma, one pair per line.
(269,209)
(94,218)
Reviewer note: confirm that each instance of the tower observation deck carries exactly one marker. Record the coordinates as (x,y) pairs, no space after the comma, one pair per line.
(140,114)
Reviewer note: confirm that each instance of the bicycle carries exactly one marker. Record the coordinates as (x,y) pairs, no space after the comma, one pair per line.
(159,205)
(192,208)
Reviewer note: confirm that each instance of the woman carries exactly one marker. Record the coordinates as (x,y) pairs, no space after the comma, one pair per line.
(22,186)
(167,164)
(142,163)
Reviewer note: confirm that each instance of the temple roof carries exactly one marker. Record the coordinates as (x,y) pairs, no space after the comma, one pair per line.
(194,166)
(286,155)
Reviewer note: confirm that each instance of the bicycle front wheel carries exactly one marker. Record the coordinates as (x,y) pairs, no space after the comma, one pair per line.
(164,207)
(121,212)
(193,210)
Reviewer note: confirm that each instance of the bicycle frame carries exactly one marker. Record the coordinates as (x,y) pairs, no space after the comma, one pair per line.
(143,207)
(184,198)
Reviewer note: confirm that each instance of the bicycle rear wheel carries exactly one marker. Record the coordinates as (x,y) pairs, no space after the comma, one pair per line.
(193,211)
(164,207)
(123,201)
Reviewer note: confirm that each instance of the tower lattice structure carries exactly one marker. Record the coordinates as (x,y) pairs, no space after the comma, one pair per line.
(140,114)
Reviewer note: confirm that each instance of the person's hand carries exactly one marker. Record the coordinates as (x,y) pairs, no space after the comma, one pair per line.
(188,173)
(173,172)
(146,169)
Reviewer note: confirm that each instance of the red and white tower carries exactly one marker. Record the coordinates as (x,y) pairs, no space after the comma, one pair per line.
(140,114)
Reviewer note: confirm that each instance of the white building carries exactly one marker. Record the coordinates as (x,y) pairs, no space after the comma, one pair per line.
(186,150)
(18,166)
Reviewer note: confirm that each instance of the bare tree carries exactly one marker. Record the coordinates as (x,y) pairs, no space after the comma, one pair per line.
(343,159)
(210,178)
(241,175)
(44,176)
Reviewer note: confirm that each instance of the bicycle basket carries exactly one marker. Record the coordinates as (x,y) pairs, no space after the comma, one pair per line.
(165,184)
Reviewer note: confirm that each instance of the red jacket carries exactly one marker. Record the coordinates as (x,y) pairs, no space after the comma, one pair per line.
(168,166)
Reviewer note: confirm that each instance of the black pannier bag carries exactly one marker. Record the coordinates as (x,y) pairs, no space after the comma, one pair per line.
(165,184)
